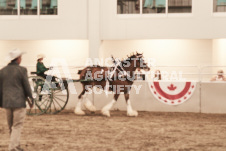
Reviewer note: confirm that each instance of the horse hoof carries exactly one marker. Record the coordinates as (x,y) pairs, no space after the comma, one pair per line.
(79,112)
(133,113)
(106,113)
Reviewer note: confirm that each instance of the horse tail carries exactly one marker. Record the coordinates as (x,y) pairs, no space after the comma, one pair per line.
(82,73)
(79,71)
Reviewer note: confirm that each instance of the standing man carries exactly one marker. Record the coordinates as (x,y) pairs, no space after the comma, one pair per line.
(14,90)
(0,90)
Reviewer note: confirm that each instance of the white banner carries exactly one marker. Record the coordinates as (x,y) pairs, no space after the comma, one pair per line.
(172,92)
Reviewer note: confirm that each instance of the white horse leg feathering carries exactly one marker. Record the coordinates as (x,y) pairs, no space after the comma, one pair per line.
(130,111)
(106,89)
(78,108)
(106,109)
(89,105)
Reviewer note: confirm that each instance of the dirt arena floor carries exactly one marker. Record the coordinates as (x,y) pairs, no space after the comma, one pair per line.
(150,131)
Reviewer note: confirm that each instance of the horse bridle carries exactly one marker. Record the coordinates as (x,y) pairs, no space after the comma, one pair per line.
(117,63)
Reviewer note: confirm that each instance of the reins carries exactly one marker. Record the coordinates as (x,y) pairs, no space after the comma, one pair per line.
(115,66)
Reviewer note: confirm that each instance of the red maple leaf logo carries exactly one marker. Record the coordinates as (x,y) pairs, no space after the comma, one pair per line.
(171,87)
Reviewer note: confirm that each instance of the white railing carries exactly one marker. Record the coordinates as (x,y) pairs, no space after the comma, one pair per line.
(64,71)
(184,72)
(207,72)
(201,74)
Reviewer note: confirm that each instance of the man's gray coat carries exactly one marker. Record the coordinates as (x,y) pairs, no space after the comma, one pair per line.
(14,86)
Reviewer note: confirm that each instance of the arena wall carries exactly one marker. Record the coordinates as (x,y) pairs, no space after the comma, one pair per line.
(208,97)
(213,97)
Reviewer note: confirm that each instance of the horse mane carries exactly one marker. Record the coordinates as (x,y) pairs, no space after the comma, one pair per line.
(134,55)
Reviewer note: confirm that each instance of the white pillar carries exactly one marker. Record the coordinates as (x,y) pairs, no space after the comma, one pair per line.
(94,28)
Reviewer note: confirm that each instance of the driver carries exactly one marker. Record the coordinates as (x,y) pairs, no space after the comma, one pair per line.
(41,69)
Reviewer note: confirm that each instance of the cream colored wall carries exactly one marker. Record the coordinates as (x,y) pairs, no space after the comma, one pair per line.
(213,97)
(219,52)
(71,23)
(164,51)
(74,22)
(74,52)
(201,24)
(94,28)
(218,55)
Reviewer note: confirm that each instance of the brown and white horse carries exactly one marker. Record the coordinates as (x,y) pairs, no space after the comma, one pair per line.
(118,79)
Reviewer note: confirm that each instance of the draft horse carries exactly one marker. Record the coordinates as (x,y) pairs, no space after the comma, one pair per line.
(118,79)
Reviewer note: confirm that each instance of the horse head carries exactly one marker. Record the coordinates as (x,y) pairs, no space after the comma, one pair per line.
(139,61)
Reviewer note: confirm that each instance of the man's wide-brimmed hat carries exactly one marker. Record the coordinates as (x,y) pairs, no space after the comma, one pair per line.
(40,56)
(13,54)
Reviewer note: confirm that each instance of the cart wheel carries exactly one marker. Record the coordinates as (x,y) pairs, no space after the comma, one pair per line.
(42,98)
(59,99)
